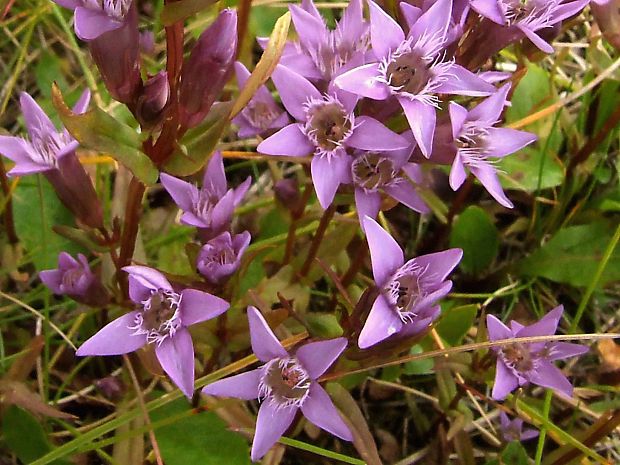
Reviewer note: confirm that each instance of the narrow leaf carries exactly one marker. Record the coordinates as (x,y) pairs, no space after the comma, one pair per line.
(99,131)
(266,64)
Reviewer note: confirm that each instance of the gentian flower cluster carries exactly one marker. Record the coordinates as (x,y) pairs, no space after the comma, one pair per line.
(370,105)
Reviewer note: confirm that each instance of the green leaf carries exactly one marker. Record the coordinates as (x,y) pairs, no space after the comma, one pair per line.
(199,142)
(324,325)
(35,212)
(266,64)
(455,322)
(418,367)
(513,454)
(99,131)
(573,254)
(24,435)
(533,93)
(178,11)
(202,438)
(475,233)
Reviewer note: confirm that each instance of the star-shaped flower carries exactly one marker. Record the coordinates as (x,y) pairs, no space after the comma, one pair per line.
(285,384)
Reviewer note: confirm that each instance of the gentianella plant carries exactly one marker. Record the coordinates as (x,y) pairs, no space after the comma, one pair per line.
(365,109)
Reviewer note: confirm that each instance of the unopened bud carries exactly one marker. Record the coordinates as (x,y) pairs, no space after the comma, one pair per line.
(207,69)
(607,15)
(287,193)
(153,100)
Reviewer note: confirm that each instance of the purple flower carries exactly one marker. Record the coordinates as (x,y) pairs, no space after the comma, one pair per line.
(162,318)
(512,430)
(321,53)
(220,257)
(117,55)
(478,142)
(211,207)
(284,384)
(52,153)
(75,279)
(408,291)
(413,68)
(325,127)
(207,68)
(520,363)
(519,18)
(389,172)
(95,17)
(262,113)
(46,145)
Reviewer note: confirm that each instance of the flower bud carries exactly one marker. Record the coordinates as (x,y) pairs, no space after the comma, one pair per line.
(75,279)
(207,69)
(153,99)
(75,190)
(607,15)
(117,55)
(219,258)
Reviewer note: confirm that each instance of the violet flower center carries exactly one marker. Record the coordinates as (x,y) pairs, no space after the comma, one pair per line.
(46,146)
(406,289)
(160,317)
(371,172)
(115,9)
(203,202)
(408,73)
(70,279)
(328,124)
(537,15)
(335,51)
(518,356)
(260,114)
(284,382)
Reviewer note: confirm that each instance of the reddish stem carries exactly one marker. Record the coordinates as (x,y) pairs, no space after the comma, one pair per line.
(130,228)
(7,214)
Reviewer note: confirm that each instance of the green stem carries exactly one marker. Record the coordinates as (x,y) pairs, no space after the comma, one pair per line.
(543,431)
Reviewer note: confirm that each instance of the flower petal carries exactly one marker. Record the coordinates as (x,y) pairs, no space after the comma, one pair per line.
(381,323)
(409,13)
(535,38)
(550,376)
(36,120)
(489,9)
(317,357)
(52,279)
(271,423)
(440,264)
(148,277)
(504,141)
(215,178)
(90,24)
(264,343)
(289,140)
(562,350)
(295,90)
(433,23)
(367,204)
(490,109)
(243,386)
(505,381)
(198,306)
(310,29)
(114,339)
(17,150)
(386,255)
(82,104)
(488,178)
(176,356)
(179,190)
(363,81)
(497,330)
(422,119)
(320,410)
(457,172)
(385,33)
(458,115)
(546,326)
(406,194)
(327,174)
(370,134)
(461,81)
